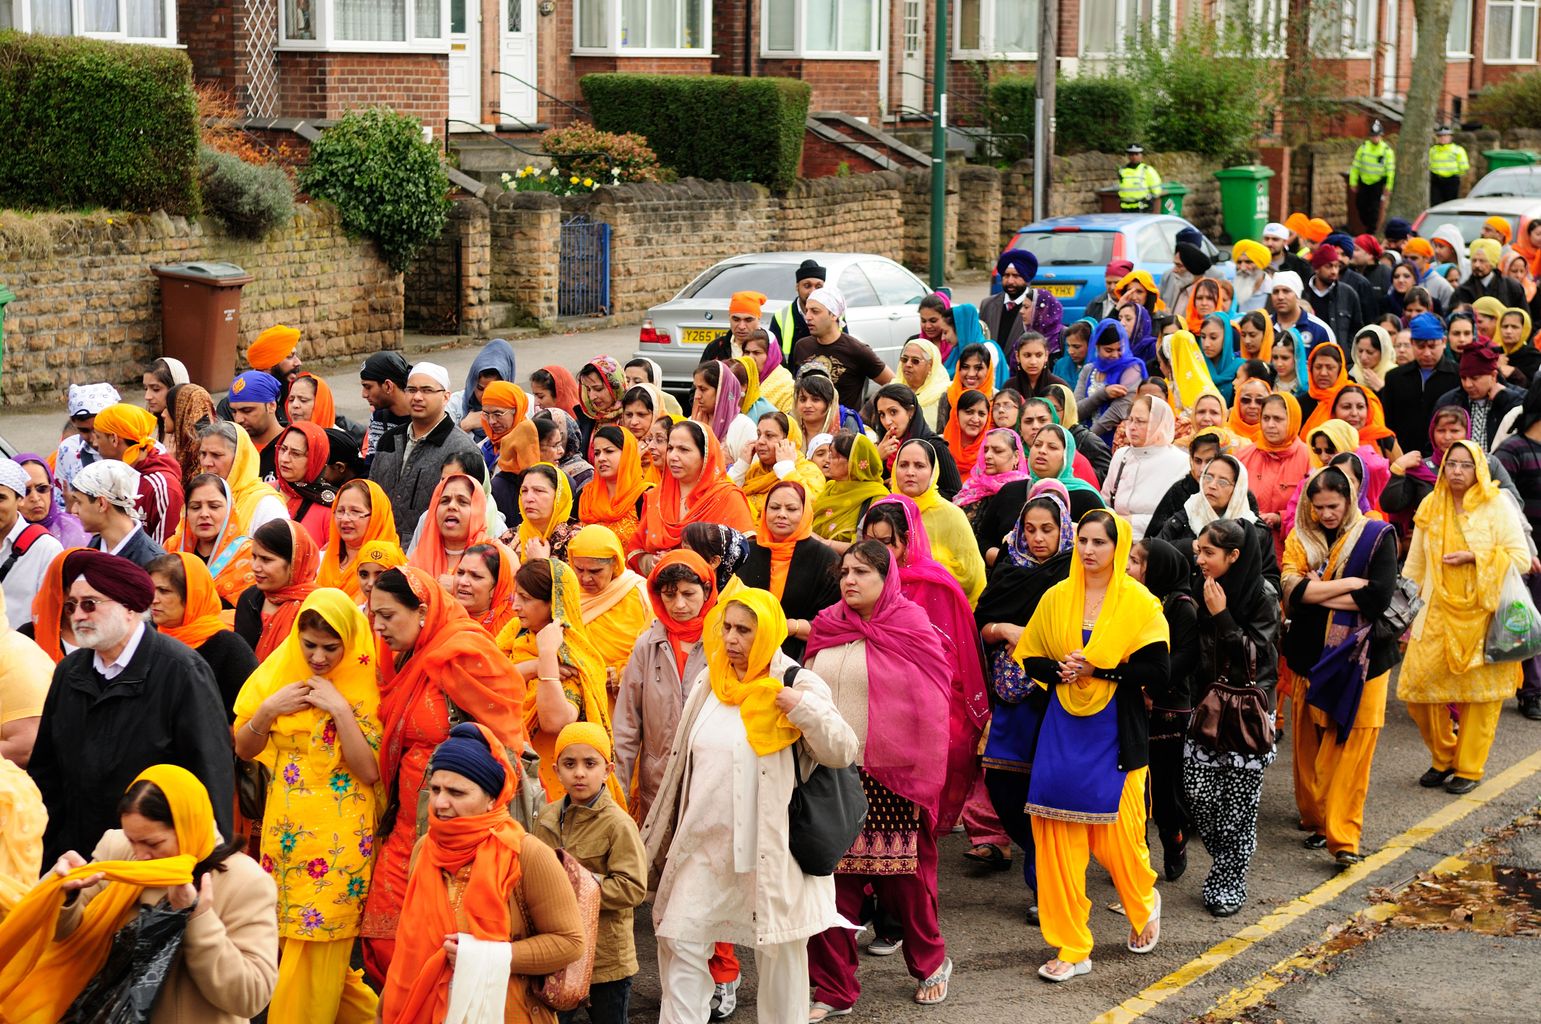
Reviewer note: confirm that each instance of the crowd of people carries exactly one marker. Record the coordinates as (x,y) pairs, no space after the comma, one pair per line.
(404,720)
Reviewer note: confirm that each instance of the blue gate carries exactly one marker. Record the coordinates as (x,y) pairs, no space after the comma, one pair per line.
(583,280)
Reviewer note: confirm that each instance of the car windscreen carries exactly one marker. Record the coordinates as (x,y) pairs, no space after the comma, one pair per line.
(1067,248)
(775,280)
(1523,182)
(1469,224)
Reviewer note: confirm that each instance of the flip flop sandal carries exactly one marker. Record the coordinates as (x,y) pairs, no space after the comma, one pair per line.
(1155,918)
(823,1011)
(988,854)
(942,976)
(1076,970)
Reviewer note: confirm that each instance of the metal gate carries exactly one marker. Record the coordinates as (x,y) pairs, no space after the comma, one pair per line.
(583,280)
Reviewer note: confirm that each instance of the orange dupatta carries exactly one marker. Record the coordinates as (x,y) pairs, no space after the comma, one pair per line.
(417,987)
(333,571)
(1241,428)
(618,509)
(716,499)
(430,554)
(781,550)
(200,605)
(682,635)
(324,413)
(501,611)
(302,580)
(48,608)
(1325,397)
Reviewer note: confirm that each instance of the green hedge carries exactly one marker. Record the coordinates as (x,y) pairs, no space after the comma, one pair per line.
(1099,114)
(1513,103)
(1009,108)
(709,126)
(90,123)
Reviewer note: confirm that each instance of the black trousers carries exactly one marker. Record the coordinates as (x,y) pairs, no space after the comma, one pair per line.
(1008,795)
(1168,805)
(1367,202)
(1443,190)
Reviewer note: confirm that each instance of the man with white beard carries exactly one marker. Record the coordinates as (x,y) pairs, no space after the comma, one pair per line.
(1253,281)
(129,698)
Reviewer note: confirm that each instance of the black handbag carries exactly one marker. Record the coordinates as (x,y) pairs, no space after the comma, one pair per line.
(826,813)
(1399,615)
(252,780)
(1234,720)
(141,956)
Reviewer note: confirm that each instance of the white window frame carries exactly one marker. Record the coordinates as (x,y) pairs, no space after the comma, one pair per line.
(1258,12)
(1346,22)
(613,47)
(1463,51)
(1514,44)
(326,41)
(21,15)
(987,50)
(800,40)
(1127,17)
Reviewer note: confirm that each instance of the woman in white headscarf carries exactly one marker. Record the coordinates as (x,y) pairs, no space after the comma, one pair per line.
(1143,470)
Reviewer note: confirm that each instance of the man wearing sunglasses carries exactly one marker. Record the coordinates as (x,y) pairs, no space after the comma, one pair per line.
(128,698)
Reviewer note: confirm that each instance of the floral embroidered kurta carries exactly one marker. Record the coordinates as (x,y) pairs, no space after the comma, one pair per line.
(318,833)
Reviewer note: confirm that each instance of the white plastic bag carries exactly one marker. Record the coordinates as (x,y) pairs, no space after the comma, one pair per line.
(1515,632)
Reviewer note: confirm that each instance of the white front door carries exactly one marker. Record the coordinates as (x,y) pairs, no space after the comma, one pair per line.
(516,57)
(912,78)
(465,64)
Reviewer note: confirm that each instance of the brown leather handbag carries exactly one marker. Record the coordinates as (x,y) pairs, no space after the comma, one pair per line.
(1234,720)
(568,988)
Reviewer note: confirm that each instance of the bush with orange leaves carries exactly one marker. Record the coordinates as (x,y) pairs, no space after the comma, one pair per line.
(218,118)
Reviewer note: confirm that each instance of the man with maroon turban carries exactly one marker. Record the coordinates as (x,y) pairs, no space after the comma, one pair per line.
(127,699)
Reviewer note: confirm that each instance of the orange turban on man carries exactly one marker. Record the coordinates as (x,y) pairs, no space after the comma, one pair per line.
(272,347)
(746,302)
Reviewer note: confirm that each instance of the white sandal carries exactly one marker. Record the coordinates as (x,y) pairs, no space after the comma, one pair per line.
(823,1011)
(1076,970)
(939,979)
(1155,919)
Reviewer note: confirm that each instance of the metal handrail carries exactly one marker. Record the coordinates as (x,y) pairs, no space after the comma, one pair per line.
(527,126)
(531,85)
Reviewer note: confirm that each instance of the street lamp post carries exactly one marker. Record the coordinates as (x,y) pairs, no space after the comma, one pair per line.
(937,262)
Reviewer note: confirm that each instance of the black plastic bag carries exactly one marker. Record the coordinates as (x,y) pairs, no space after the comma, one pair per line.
(142,954)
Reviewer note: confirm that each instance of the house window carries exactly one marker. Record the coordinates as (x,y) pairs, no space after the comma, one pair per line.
(1108,27)
(643,26)
(1253,27)
(380,26)
(139,21)
(997,28)
(1458,39)
(1345,28)
(1511,32)
(820,28)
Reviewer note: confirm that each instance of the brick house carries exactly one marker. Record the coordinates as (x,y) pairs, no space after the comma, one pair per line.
(515,64)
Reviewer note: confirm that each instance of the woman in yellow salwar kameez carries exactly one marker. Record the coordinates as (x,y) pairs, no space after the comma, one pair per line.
(1094,642)
(22,820)
(616,606)
(565,673)
(311,714)
(776,457)
(1339,571)
(1466,537)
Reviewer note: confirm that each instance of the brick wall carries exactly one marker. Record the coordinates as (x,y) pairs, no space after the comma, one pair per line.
(979,215)
(448,287)
(328,85)
(88,308)
(861,213)
(822,159)
(526,234)
(846,85)
(216,37)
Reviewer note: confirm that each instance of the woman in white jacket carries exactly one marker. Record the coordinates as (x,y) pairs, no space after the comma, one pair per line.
(1144,469)
(717,833)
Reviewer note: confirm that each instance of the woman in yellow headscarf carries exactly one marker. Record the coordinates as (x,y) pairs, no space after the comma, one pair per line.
(226,449)
(1087,793)
(361,516)
(1466,539)
(952,537)
(565,673)
(311,715)
(753,404)
(856,481)
(616,607)
(168,849)
(546,504)
(778,441)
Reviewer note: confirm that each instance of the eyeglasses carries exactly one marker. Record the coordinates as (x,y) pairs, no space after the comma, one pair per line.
(1210,478)
(497,414)
(912,360)
(348,513)
(88,605)
(292,452)
(413,390)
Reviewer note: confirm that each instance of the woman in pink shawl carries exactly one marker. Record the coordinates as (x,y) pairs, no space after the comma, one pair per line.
(888,670)
(896,522)
(1002,460)
(718,397)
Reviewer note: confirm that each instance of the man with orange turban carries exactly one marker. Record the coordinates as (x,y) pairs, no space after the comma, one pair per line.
(127,433)
(274,351)
(743,320)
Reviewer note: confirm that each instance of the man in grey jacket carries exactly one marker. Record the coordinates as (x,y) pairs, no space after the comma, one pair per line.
(411,457)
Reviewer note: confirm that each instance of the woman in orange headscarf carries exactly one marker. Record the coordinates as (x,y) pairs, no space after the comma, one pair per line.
(310,401)
(695,489)
(284,561)
(443,665)
(785,558)
(555,387)
(457,518)
(1326,374)
(479,876)
(50,628)
(484,585)
(299,462)
(1361,409)
(187,608)
(1250,396)
(613,497)
(361,515)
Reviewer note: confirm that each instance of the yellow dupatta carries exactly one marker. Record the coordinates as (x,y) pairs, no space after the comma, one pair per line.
(40,977)
(1190,373)
(588,687)
(561,511)
(760,480)
(752,389)
(23,818)
(779,389)
(837,509)
(618,614)
(768,729)
(934,387)
(245,481)
(1131,618)
(354,675)
(952,538)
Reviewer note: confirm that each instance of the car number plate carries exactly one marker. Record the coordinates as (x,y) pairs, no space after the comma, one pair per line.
(1061,291)
(698,335)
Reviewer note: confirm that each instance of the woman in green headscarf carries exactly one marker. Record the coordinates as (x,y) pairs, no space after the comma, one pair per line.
(855,481)
(1051,455)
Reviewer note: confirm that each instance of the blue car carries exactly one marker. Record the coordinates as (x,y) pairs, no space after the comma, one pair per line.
(1074,252)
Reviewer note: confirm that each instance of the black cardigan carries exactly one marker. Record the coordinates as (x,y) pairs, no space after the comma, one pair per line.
(813,583)
(1004,507)
(1147,669)
(231,660)
(1307,633)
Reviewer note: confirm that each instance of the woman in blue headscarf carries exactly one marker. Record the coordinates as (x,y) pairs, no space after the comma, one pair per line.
(1142,333)
(970,331)
(1108,381)
(1218,343)
(494,362)
(1289,363)
(1073,354)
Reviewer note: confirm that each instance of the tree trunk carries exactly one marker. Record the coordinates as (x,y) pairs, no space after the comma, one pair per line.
(1411,195)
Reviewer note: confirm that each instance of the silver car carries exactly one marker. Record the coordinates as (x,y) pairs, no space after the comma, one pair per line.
(882,300)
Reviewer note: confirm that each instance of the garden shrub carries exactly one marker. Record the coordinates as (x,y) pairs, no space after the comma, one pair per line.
(386,180)
(1512,103)
(90,123)
(1099,113)
(250,199)
(1009,108)
(709,126)
(583,151)
(1207,94)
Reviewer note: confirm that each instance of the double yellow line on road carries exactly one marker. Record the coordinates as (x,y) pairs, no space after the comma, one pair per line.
(1135,1007)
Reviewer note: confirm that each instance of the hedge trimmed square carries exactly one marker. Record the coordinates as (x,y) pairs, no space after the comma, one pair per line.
(95,123)
(716,127)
